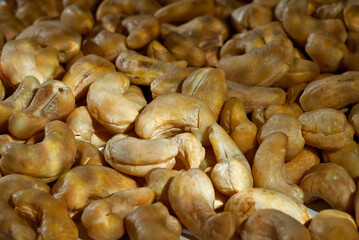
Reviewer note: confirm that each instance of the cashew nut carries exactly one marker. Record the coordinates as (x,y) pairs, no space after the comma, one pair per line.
(10,26)
(88,154)
(78,17)
(351,17)
(157,51)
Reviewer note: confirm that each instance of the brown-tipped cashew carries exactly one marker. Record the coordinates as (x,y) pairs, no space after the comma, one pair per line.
(10,25)
(326,129)
(157,51)
(56,34)
(318,94)
(78,17)
(208,85)
(41,207)
(81,184)
(152,222)
(88,154)
(245,203)
(273,224)
(84,71)
(333,224)
(53,101)
(143,70)
(330,182)
(288,125)
(19,100)
(12,183)
(351,17)
(12,226)
(104,218)
(232,172)
(46,160)
(298,166)
(175,113)
(194,206)
(269,167)
(22,58)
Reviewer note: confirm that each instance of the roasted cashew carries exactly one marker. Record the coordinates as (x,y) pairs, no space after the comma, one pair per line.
(354,118)
(81,184)
(194,206)
(330,182)
(10,26)
(41,207)
(351,17)
(330,10)
(152,222)
(46,160)
(104,218)
(157,51)
(53,101)
(78,17)
(88,154)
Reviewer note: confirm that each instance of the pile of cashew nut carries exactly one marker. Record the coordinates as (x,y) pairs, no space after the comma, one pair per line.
(153,119)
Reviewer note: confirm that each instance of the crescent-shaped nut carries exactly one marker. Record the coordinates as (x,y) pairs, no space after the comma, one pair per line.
(43,208)
(273,224)
(84,72)
(269,167)
(53,101)
(175,113)
(81,184)
(34,61)
(78,17)
(330,182)
(152,222)
(351,17)
(46,160)
(88,154)
(104,219)
(56,34)
(18,101)
(245,203)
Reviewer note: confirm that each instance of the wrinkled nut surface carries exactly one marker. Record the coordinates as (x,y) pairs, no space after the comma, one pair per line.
(78,17)
(41,207)
(104,218)
(273,224)
(330,182)
(152,222)
(45,160)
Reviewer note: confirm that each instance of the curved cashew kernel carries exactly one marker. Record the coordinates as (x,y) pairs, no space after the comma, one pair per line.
(242,43)
(107,104)
(41,207)
(85,127)
(190,150)
(269,166)
(135,95)
(12,183)
(157,51)
(251,16)
(178,113)
(298,166)
(88,154)
(34,61)
(12,226)
(330,10)
(52,101)
(111,23)
(351,17)
(273,224)
(104,43)
(170,82)
(208,85)
(333,224)
(142,30)
(354,118)
(273,59)
(247,202)
(84,72)
(78,17)
(326,50)
(78,186)
(159,180)
(326,129)
(294,93)
(330,182)
(232,172)
(232,114)
(10,25)
(127,7)
(194,206)
(56,34)
(184,10)
(245,137)
(88,4)
(152,222)
(46,160)
(143,70)
(318,94)
(255,97)
(19,100)
(288,125)
(104,218)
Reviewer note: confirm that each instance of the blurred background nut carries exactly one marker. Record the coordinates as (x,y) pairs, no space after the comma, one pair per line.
(351,17)
(332,183)
(78,17)
(88,4)
(10,26)
(111,22)
(330,10)
(2,40)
